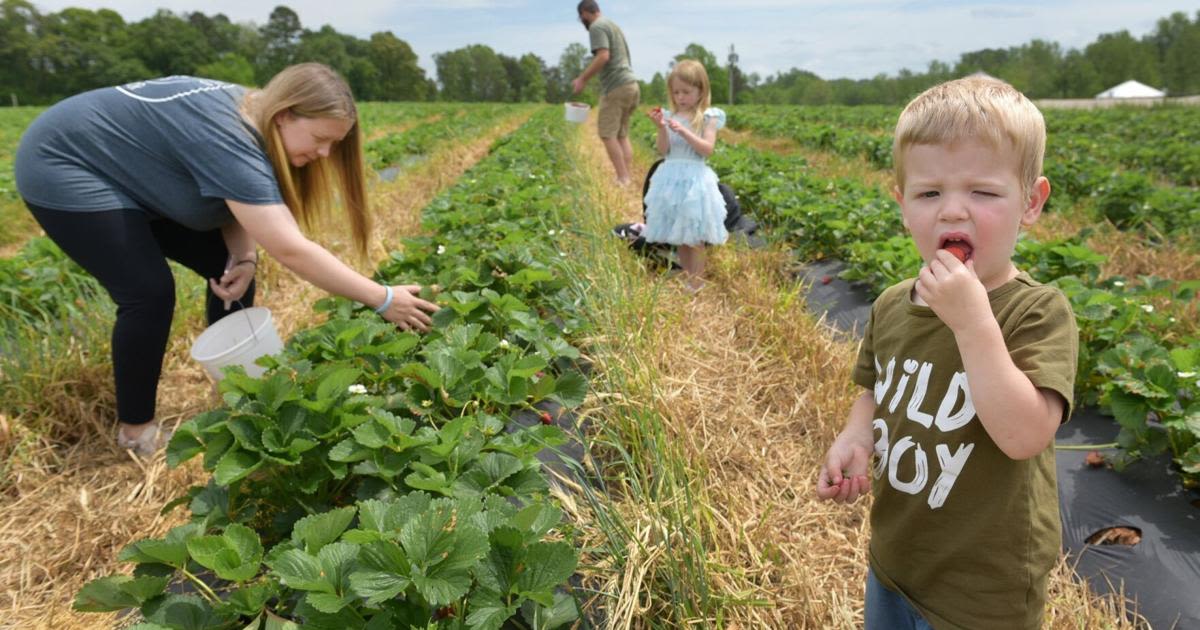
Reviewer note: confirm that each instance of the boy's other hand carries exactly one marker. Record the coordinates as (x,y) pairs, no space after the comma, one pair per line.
(953,291)
(843,478)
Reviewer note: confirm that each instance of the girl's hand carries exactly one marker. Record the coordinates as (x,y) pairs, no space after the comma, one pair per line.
(409,312)
(232,284)
(675,125)
(656,115)
(954,292)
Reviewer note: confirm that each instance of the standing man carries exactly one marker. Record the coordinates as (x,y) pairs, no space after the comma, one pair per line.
(619,93)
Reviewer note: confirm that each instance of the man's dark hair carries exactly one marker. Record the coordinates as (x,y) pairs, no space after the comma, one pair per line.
(589,6)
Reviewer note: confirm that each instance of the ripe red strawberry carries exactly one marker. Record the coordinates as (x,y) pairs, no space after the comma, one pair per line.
(545,418)
(1094,459)
(826,279)
(444,612)
(960,250)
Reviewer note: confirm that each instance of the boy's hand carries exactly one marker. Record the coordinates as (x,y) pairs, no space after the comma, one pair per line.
(953,291)
(843,478)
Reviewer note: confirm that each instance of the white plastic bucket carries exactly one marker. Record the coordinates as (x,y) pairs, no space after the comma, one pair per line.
(238,339)
(577,112)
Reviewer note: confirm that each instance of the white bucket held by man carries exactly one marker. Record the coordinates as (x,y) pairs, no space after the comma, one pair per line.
(238,339)
(577,112)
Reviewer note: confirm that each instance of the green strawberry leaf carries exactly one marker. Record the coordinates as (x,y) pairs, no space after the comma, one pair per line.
(564,610)
(547,564)
(184,612)
(235,465)
(570,389)
(118,592)
(300,571)
(314,532)
(171,550)
(488,610)
(235,555)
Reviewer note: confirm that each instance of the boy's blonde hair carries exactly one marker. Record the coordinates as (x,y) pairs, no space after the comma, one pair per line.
(976,108)
(313,90)
(692,73)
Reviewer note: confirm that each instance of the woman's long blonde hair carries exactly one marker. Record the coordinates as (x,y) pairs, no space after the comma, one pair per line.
(691,72)
(313,90)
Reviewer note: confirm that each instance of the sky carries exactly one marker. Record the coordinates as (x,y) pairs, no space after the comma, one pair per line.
(848,39)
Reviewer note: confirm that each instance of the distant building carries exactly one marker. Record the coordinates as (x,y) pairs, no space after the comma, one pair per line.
(1132,89)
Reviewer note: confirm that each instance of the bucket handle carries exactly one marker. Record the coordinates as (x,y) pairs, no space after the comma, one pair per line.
(249,322)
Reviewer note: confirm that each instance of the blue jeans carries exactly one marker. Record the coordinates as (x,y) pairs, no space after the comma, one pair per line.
(888,610)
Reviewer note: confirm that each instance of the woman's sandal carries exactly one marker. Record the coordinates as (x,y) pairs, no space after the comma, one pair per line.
(146,444)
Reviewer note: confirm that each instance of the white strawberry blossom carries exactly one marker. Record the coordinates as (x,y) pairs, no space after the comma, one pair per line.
(1118,283)
(357,389)
(551,232)
(504,344)
(1186,374)
(441,249)
(1149,308)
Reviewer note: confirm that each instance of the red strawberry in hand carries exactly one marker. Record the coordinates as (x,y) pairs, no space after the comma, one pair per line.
(959,249)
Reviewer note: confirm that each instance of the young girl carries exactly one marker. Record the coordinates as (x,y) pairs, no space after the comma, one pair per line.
(684,206)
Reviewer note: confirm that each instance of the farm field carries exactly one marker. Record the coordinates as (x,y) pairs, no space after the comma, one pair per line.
(703,418)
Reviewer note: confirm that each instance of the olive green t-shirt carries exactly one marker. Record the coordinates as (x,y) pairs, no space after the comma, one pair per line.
(965,533)
(604,33)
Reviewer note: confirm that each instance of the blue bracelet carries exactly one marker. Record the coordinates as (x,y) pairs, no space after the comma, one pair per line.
(386,302)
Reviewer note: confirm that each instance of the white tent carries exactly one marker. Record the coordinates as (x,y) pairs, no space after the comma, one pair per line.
(1131,89)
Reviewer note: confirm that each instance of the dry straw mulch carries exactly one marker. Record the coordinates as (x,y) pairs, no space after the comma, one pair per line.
(75,500)
(752,389)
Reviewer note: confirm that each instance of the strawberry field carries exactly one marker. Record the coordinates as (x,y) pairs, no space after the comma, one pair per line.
(558,451)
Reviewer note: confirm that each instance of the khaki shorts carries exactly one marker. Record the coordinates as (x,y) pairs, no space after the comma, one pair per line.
(616,108)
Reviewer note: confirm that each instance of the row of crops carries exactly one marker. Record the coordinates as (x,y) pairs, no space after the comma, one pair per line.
(436,125)
(1140,350)
(1139,166)
(374,479)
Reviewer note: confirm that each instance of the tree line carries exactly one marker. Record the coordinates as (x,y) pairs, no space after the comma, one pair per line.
(45,57)
(1167,58)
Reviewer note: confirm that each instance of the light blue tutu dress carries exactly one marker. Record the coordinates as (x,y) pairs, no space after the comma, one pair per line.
(683,204)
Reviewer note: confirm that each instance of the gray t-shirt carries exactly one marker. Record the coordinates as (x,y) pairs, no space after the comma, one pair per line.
(604,33)
(175,147)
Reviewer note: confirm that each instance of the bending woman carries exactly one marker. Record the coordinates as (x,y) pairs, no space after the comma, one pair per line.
(201,172)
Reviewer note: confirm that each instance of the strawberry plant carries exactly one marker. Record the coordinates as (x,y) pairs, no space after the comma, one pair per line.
(400,562)
(374,479)
(1154,394)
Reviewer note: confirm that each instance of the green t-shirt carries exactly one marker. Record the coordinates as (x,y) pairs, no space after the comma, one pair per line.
(965,533)
(604,33)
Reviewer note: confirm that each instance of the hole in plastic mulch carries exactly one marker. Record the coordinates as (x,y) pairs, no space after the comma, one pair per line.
(1128,536)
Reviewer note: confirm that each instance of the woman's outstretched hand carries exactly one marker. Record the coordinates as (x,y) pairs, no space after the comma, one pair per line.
(232,284)
(409,312)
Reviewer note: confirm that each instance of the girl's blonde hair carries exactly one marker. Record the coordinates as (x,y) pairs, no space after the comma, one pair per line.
(313,90)
(692,73)
(978,108)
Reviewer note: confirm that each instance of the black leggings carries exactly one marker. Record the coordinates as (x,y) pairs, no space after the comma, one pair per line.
(127,251)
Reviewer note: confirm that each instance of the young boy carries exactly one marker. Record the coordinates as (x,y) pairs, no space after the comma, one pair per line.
(969,368)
